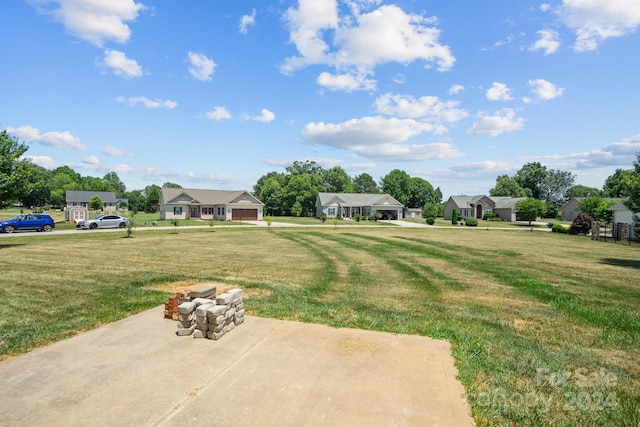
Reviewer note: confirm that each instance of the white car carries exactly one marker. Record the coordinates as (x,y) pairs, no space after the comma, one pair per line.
(103,221)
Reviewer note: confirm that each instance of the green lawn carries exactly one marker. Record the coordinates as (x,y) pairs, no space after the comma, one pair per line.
(544,328)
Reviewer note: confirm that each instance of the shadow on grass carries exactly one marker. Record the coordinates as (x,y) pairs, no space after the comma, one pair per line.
(11,245)
(621,262)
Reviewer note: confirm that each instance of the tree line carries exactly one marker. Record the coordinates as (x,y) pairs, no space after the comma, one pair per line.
(294,191)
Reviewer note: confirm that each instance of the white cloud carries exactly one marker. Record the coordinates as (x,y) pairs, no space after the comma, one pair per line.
(502,121)
(379,138)
(201,68)
(345,82)
(43,161)
(359,42)
(95,21)
(110,150)
(428,108)
(121,65)
(455,89)
(618,154)
(499,92)
(545,90)
(52,139)
(91,160)
(218,113)
(265,116)
(594,21)
(246,21)
(548,42)
(147,103)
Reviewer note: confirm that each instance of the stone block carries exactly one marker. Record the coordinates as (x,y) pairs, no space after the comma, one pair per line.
(200,301)
(184,324)
(204,291)
(214,335)
(235,292)
(202,325)
(240,313)
(186,331)
(186,307)
(239,320)
(215,311)
(224,299)
(201,310)
(230,313)
(199,334)
(186,317)
(216,328)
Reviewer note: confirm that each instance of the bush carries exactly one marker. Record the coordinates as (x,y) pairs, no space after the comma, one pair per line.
(582,223)
(323,217)
(358,217)
(471,222)
(431,220)
(489,216)
(558,228)
(455,217)
(376,215)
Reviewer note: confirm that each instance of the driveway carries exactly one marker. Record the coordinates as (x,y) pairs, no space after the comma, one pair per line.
(137,372)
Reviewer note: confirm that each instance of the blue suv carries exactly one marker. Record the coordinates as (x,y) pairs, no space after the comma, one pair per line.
(38,222)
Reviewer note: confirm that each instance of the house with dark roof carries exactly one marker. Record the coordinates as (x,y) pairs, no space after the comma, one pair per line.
(478,206)
(221,205)
(348,205)
(78,203)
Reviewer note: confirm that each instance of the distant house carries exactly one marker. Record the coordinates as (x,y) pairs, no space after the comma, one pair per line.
(478,206)
(348,205)
(78,203)
(221,205)
(623,222)
(569,211)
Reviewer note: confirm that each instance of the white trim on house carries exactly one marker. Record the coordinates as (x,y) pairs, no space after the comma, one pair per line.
(623,215)
(219,205)
(348,205)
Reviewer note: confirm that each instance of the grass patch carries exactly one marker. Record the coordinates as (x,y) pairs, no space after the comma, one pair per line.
(537,339)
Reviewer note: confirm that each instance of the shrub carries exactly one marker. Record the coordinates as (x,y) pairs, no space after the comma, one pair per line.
(323,217)
(376,215)
(358,217)
(582,223)
(488,216)
(431,220)
(455,217)
(558,228)
(471,222)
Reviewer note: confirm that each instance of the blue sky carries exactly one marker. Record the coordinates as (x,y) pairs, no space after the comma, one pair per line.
(214,94)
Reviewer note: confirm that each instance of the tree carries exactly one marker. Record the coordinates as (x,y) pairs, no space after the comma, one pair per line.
(171,185)
(336,180)
(271,194)
(507,186)
(96,203)
(531,177)
(582,191)
(116,184)
(306,167)
(438,194)
(420,192)
(37,188)
(302,189)
(430,210)
(12,168)
(64,178)
(529,209)
(582,223)
(633,191)
(553,189)
(278,176)
(136,201)
(364,183)
(590,205)
(397,183)
(152,195)
(618,184)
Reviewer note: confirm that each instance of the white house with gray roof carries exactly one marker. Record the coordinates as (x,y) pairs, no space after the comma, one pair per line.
(78,203)
(477,206)
(348,205)
(624,222)
(221,205)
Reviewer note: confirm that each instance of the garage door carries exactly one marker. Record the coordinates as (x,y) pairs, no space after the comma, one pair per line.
(244,214)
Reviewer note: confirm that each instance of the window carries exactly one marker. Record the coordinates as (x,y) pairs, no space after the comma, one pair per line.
(207,211)
(177,210)
(332,211)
